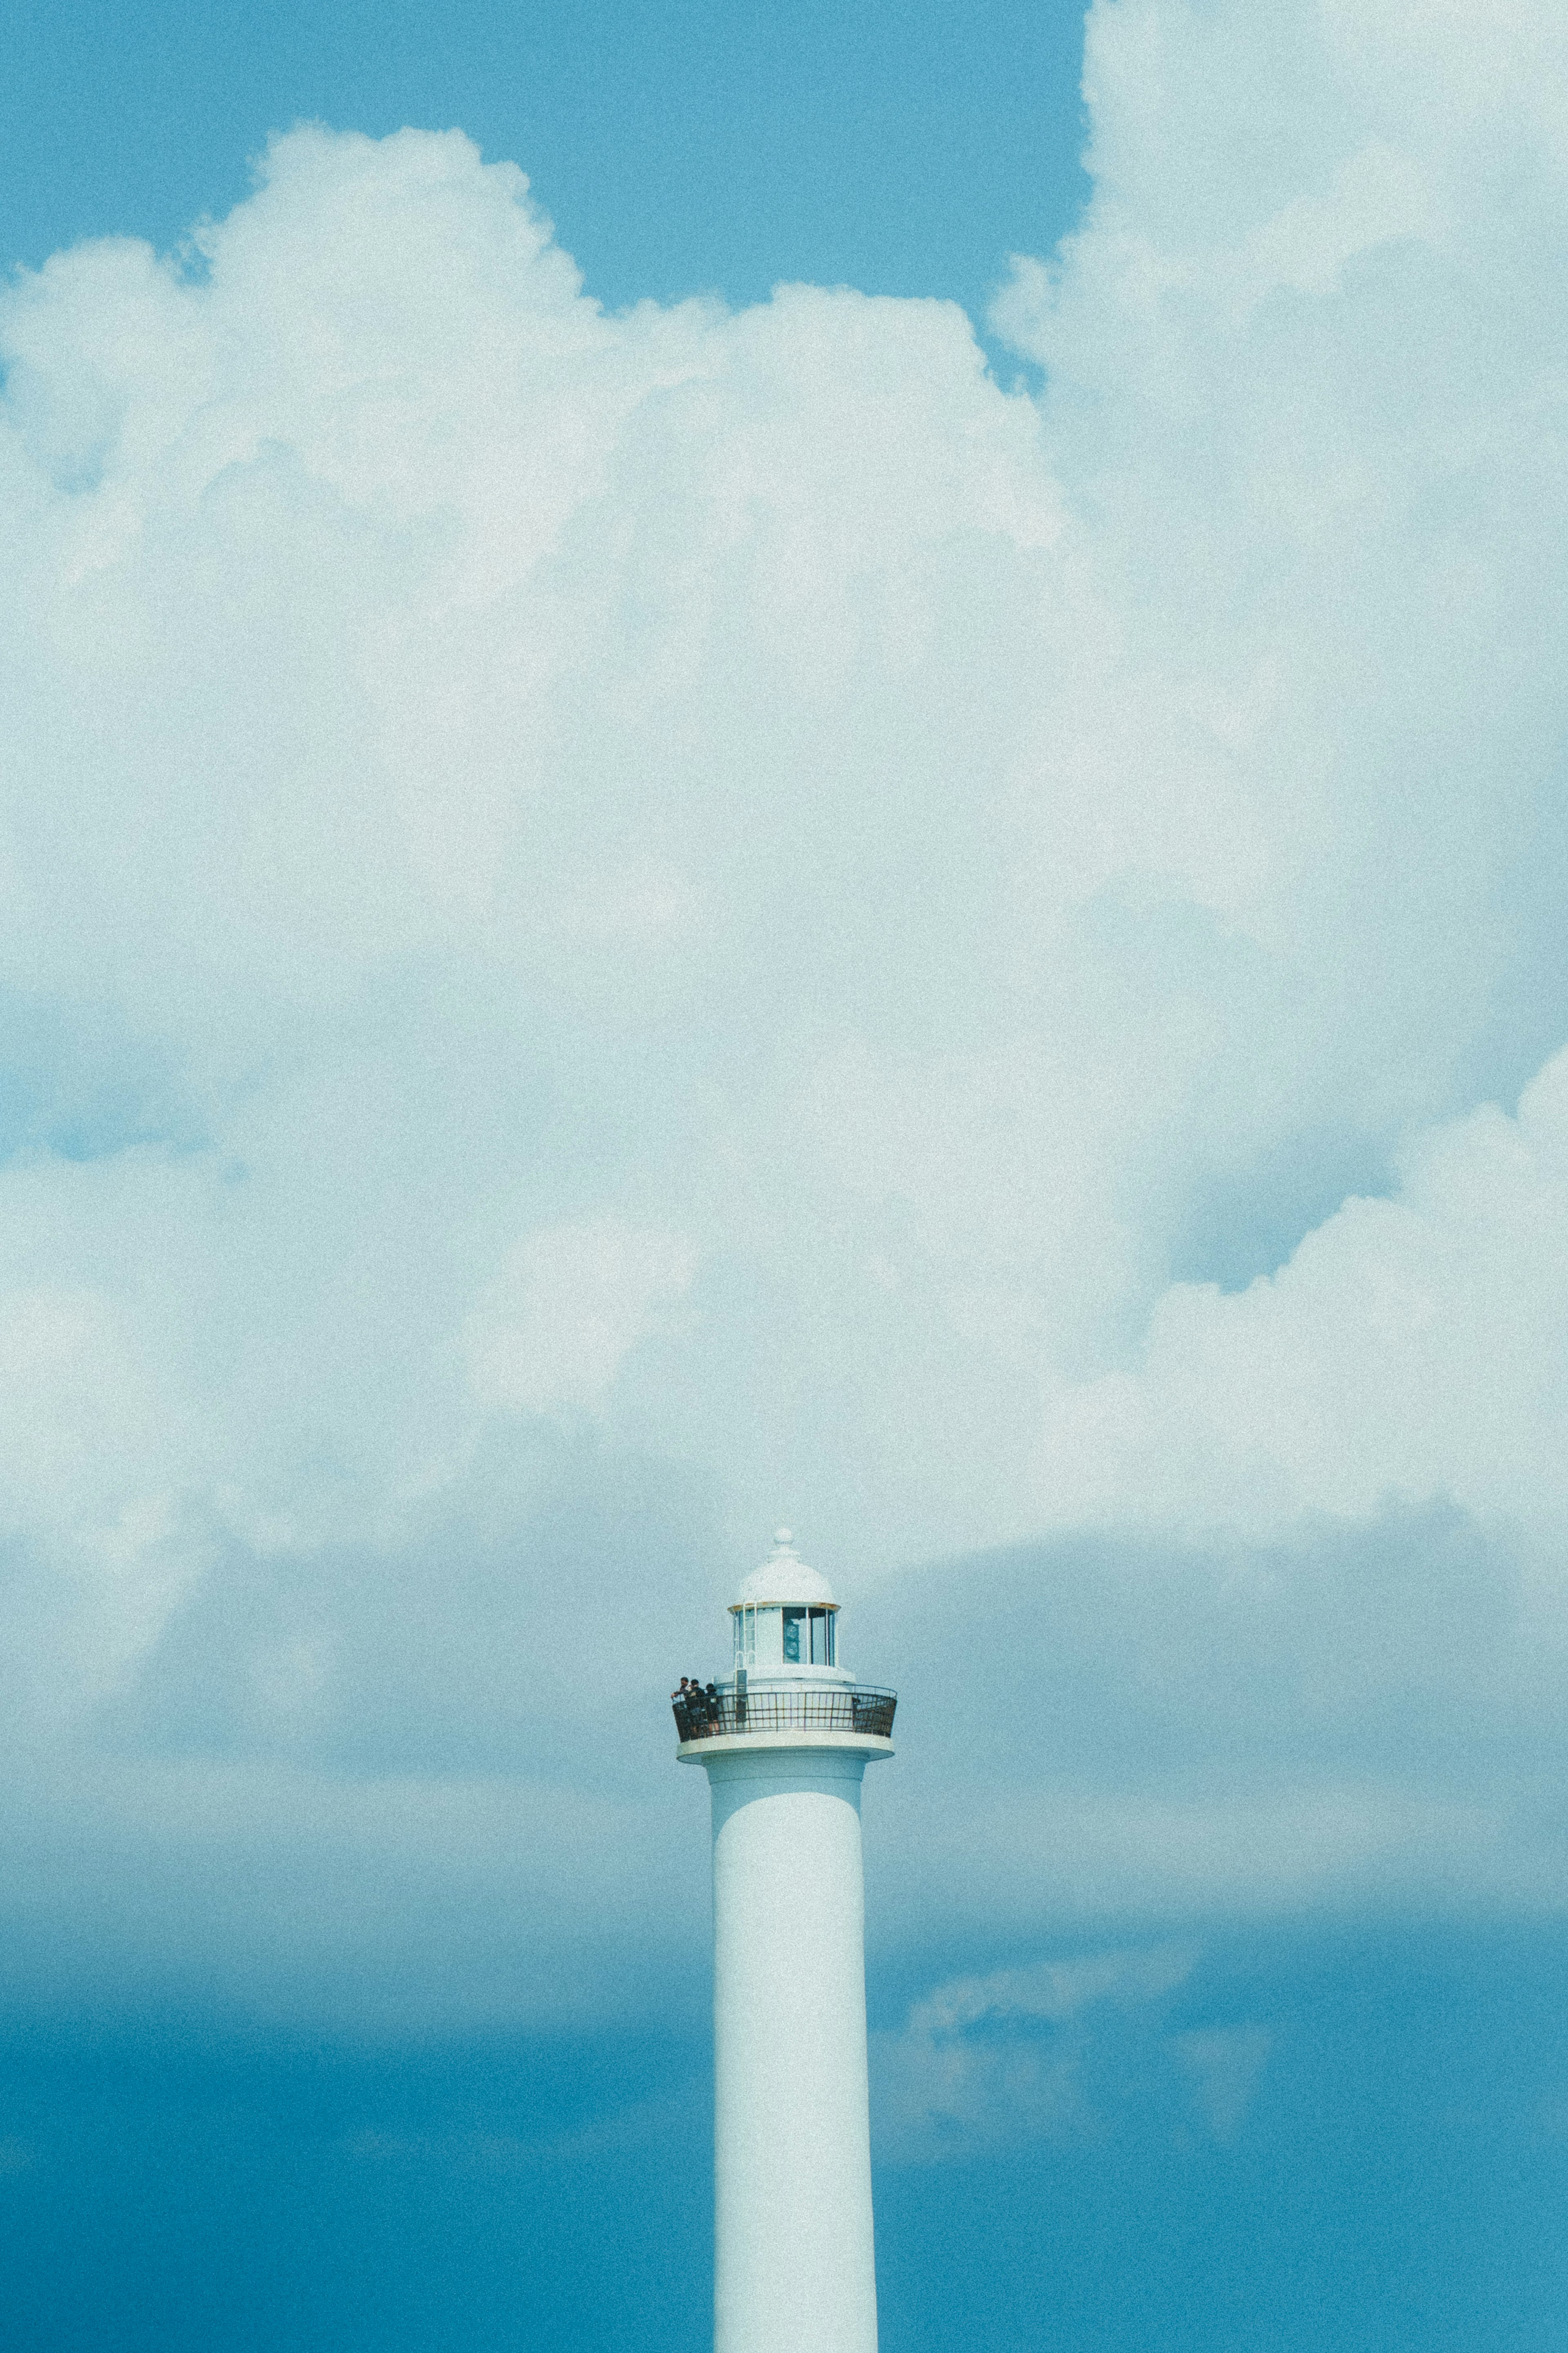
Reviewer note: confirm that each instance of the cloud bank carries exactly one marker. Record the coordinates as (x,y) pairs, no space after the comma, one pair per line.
(614,925)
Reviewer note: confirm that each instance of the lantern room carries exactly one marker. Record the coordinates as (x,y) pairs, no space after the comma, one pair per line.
(785,1616)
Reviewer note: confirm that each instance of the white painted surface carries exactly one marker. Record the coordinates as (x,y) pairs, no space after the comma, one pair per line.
(794,2268)
(748,1744)
(785,1577)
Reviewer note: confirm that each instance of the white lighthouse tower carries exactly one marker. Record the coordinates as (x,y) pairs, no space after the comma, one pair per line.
(785,1738)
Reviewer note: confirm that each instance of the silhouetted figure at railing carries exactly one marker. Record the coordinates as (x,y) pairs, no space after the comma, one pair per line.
(697,1710)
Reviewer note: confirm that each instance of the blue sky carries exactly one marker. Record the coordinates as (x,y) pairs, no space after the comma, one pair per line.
(852,812)
(266,2190)
(903,149)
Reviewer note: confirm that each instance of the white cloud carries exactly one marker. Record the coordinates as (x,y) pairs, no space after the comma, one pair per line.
(976,2065)
(716,911)
(1074,2051)
(1411,1350)
(1054,1990)
(567,1308)
(1225,2064)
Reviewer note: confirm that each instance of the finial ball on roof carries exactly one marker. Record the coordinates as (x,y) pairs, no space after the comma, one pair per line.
(785,1578)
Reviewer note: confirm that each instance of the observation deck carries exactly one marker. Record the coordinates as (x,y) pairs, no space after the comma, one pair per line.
(804,1715)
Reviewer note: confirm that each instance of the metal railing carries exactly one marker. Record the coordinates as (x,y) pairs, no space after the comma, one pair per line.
(728,1712)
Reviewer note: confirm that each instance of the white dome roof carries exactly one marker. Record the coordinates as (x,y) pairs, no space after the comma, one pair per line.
(785,1577)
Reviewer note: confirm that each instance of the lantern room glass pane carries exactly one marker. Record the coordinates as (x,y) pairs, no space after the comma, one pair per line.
(765,1639)
(792,1621)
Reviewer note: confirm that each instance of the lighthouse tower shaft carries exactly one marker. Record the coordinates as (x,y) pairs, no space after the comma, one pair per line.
(786,1741)
(794,2254)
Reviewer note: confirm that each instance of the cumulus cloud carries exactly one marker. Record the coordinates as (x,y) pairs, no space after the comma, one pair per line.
(1411,1351)
(616,925)
(1077,2051)
(981,2062)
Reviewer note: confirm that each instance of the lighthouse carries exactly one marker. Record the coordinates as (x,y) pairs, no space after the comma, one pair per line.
(785,1739)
